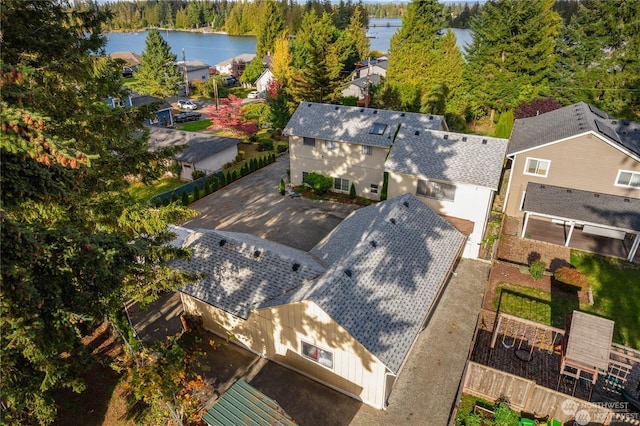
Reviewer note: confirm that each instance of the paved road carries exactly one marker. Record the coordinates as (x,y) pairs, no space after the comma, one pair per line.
(254,205)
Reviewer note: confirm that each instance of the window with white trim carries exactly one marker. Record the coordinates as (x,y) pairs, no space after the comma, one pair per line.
(319,355)
(628,178)
(367,150)
(537,167)
(374,188)
(437,190)
(341,184)
(330,145)
(308,141)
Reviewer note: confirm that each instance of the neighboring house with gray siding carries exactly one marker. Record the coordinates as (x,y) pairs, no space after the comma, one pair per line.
(593,157)
(346,313)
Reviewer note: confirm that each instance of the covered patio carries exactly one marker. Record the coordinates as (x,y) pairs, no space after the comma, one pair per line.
(599,223)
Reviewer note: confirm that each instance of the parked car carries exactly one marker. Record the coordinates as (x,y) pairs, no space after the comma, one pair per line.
(186,116)
(187,104)
(254,94)
(231,81)
(127,72)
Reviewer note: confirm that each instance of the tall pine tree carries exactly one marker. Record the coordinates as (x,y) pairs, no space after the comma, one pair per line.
(73,243)
(157,73)
(512,55)
(269,28)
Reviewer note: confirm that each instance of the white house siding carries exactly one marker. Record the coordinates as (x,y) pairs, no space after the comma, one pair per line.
(210,164)
(471,203)
(345,161)
(277,333)
(263,81)
(353,90)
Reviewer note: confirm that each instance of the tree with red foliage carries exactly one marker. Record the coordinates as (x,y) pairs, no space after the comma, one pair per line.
(273,86)
(229,115)
(536,107)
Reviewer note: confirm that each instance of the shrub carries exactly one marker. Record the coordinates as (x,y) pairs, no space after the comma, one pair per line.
(505,416)
(207,188)
(185,198)
(536,269)
(223,180)
(230,177)
(385,186)
(571,276)
(265,145)
(319,183)
(215,184)
(281,187)
(196,193)
(234,175)
(352,192)
(174,196)
(197,174)
(242,154)
(282,147)
(244,170)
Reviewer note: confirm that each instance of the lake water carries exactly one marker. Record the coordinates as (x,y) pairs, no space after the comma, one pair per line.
(216,48)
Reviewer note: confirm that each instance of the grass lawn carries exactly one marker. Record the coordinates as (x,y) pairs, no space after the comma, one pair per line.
(143,192)
(615,285)
(194,126)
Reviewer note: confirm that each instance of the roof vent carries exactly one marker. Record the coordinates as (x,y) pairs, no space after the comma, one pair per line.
(626,200)
(402,115)
(375,111)
(431,117)
(406,204)
(446,137)
(337,108)
(257,253)
(569,191)
(543,186)
(484,141)
(596,195)
(417,133)
(222,242)
(309,105)
(295,267)
(361,109)
(464,139)
(392,220)
(374,243)
(614,122)
(348,272)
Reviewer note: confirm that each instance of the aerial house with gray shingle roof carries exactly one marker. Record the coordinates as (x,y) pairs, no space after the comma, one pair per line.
(350,144)
(576,170)
(346,313)
(457,175)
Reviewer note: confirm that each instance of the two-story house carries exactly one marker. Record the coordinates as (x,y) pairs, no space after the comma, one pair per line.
(349,144)
(575,172)
(457,175)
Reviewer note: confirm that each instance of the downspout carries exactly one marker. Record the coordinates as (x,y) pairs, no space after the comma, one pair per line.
(506,195)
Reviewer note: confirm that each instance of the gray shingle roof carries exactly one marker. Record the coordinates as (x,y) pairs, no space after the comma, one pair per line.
(459,158)
(200,145)
(571,121)
(354,124)
(583,206)
(362,82)
(385,277)
(237,280)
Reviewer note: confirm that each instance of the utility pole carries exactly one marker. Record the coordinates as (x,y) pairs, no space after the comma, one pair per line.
(186,73)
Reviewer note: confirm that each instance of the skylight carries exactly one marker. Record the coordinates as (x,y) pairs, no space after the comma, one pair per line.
(378,128)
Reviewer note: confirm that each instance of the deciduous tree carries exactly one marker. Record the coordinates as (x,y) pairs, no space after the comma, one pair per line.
(229,115)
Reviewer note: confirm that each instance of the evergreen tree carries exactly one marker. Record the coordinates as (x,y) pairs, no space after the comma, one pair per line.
(512,54)
(157,73)
(281,60)
(269,28)
(73,243)
(355,41)
(414,52)
(319,56)
(252,71)
(599,57)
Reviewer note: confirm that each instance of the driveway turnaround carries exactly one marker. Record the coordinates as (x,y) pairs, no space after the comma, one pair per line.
(254,205)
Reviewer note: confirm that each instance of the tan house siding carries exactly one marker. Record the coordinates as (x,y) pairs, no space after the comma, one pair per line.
(585,162)
(345,161)
(277,333)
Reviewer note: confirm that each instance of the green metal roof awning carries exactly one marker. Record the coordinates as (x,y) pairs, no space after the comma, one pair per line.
(244,405)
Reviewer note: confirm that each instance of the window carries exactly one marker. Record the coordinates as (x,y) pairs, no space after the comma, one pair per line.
(330,144)
(630,179)
(304,176)
(537,167)
(374,188)
(367,150)
(308,141)
(317,354)
(341,184)
(437,190)
(378,128)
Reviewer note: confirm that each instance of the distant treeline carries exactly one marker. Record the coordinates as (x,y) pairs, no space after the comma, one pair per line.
(238,18)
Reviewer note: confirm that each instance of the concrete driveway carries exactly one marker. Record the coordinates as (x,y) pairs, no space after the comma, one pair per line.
(254,205)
